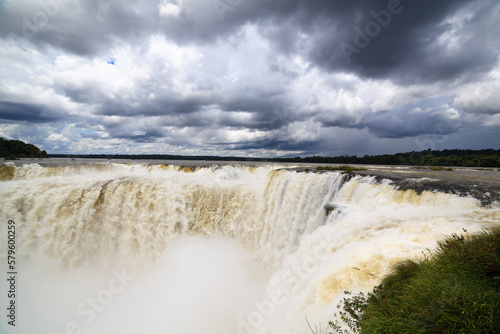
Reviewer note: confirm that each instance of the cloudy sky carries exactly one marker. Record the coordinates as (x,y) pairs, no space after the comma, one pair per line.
(250,77)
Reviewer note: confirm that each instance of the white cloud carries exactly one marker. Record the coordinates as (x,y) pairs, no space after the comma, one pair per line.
(169,9)
(480,97)
(57,137)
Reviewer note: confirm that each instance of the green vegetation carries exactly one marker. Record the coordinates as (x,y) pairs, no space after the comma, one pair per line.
(15,149)
(459,158)
(440,168)
(456,290)
(329,208)
(343,169)
(466,160)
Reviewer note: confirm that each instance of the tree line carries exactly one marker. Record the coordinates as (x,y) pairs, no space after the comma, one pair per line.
(15,149)
(456,157)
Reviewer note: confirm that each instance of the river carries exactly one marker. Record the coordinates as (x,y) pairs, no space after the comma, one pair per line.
(117,246)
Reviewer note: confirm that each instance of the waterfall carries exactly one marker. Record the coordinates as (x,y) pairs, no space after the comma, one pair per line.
(221,249)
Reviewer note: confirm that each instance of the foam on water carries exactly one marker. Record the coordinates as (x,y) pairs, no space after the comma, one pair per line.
(229,249)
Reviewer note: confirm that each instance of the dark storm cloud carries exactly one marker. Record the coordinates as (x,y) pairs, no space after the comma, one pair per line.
(80,27)
(390,124)
(405,46)
(34,113)
(390,38)
(139,130)
(83,94)
(408,121)
(404,42)
(266,112)
(266,120)
(148,136)
(251,112)
(273,143)
(409,42)
(286,73)
(169,105)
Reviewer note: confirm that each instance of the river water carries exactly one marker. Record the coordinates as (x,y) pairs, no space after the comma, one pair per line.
(105,246)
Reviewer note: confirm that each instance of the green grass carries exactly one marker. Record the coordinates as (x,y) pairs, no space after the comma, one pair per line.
(456,290)
(344,168)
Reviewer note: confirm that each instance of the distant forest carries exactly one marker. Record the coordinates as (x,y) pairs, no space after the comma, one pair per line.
(15,149)
(457,157)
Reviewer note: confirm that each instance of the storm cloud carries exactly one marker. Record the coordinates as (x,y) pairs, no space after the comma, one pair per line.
(256,78)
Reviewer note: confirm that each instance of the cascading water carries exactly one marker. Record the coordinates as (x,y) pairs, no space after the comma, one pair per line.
(129,248)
